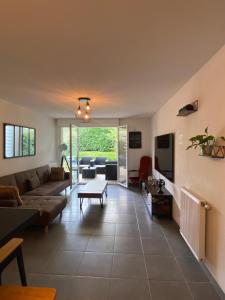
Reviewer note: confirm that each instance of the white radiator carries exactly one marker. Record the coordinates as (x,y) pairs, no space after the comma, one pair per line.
(193,222)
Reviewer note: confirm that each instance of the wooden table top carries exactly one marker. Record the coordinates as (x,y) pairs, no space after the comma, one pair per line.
(26,293)
(13,220)
(93,187)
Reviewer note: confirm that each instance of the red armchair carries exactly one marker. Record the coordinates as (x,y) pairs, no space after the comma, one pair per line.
(144,171)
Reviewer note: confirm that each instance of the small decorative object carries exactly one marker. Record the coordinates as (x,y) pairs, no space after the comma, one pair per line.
(208,144)
(188,109)
(218,150)
(161,184)
(135,139)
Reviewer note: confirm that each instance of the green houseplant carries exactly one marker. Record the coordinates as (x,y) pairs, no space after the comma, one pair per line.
(205,142)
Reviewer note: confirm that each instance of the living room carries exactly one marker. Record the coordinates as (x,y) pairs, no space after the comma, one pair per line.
(95,253)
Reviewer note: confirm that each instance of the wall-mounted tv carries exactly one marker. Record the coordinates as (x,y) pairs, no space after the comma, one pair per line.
(164,155)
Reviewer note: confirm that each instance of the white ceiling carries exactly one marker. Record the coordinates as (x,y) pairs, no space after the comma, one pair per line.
(129,56)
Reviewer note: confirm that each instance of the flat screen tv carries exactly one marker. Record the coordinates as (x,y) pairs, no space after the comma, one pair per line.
(164,155)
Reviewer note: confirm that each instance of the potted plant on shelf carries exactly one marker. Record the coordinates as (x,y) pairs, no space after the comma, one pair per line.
(205,142)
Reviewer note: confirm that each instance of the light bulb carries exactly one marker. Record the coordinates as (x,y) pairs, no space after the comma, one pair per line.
(87,106)
(86,116)
(79,111)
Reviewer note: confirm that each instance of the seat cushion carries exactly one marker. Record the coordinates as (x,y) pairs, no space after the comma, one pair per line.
(100,169)
(49,206)
(111,162)
(49,188)
(100,160)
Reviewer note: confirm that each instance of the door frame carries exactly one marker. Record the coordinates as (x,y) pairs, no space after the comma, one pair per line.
(71,154)
(118,169)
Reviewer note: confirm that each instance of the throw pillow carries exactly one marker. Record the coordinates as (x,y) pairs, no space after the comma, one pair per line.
(9,193)
(57,173)
(33,182)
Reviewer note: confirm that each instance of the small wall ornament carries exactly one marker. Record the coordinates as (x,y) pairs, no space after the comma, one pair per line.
(209,145)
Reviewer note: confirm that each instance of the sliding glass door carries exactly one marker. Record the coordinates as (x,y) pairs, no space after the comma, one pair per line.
(122,156)
(74,152)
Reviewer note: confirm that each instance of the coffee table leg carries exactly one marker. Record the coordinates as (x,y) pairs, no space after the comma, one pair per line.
(106,192)
(101,201)
(81,202)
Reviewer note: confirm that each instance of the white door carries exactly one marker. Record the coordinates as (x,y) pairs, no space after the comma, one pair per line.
(74,152)
(122,156)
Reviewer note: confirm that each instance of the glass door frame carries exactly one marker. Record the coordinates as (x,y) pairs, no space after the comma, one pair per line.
(126,157)
(72,126)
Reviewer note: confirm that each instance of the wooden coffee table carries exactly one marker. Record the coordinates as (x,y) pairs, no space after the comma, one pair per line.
(93,189)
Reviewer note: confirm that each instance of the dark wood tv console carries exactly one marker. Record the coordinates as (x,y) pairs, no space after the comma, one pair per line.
(158,204)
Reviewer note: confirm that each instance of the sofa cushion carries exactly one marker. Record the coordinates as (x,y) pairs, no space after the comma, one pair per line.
(33,182)
(49,206)
(100,161)
(100,169)
(57,174)
(8,180)
(50,188)
(43,174)
(10,193)
(111,162)
(23,178)
(85,160)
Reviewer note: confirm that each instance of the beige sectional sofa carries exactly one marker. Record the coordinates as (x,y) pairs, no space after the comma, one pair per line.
(38,189)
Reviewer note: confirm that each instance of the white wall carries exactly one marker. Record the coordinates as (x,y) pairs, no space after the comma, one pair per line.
(143,125)
(202,175)
(45,138)
(134,124)
(96,122)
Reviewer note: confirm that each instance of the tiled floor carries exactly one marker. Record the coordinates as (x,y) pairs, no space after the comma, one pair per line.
(114,253)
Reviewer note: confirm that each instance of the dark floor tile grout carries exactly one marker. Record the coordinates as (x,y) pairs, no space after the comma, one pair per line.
(186,282)
(146,270)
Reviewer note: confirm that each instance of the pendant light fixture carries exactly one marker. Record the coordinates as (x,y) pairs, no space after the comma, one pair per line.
(83,109)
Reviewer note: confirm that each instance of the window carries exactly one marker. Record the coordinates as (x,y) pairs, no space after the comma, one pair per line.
(19,141)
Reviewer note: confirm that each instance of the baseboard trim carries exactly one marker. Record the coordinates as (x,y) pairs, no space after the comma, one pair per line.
(213,281)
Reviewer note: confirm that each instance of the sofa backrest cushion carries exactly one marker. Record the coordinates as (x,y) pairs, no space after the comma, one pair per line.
(100,160)
(8,180)
(23,179)
(33,182)
(57,174)
(85,160)
(43,174)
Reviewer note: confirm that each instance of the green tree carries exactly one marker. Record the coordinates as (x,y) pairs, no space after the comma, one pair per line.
(97,139)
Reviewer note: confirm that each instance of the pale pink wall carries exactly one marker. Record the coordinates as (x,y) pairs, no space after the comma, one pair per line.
(202,175)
